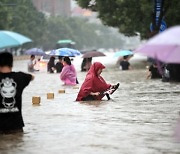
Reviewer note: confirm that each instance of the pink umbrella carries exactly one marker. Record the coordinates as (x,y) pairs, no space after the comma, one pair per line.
(165,46)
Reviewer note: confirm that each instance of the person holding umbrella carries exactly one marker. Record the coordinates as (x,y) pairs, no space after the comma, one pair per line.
(124,63)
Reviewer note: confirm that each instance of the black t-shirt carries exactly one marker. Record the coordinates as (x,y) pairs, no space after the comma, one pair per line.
(154,72)
(59,67)
(11,87)
(50,67)
(125,65)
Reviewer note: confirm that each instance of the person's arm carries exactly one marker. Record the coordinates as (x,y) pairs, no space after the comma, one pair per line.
(64,73)
(129,66)
(32,77)
(148,75)
(32,64)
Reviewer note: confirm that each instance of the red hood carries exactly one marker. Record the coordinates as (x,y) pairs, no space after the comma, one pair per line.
(93,83)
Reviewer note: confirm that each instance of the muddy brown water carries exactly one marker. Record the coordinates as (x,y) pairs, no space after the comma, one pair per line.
(139,119)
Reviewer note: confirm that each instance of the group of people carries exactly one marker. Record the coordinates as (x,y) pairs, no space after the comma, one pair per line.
(12,85)
(66,69)
(166,72)
(52,67)
(63,66)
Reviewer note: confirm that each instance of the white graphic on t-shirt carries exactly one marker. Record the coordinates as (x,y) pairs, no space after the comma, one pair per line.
(8,92)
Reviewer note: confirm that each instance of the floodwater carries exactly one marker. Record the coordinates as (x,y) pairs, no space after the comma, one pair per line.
(140,118)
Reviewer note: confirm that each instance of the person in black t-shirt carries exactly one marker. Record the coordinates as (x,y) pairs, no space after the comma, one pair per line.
(59,65)
(153,72)
(12,85)
(124,64)
(51,65)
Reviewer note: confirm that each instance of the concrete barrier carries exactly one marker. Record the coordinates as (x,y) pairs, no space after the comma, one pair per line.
(61,91)
(50,95)
(36,100)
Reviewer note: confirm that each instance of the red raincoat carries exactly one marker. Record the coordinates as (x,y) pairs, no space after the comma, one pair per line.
(93,83)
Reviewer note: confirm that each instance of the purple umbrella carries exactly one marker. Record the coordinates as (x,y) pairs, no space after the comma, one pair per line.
(35,51)
(165,46)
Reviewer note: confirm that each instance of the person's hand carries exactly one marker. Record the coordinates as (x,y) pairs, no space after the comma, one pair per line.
(95,94)
(113,86)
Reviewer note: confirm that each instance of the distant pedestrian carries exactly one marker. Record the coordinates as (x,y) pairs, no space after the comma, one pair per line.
(12,85)
(153,72)
(86,64)
(59,65)
(68,74)
(124,64)
(94,85)
(51,65)
(31,64)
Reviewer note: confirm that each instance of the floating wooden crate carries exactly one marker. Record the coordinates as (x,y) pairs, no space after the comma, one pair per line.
(50,95)
(36,100)
(75,87)
(61,91)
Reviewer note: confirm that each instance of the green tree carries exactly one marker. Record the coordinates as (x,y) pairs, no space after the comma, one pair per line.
(85,34)
(132,16)
(27,20)
(57,28)
(6,6)
(21,16)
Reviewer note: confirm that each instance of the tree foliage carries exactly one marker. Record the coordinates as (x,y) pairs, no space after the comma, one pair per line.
(132,16)
(21,16)
(85,34)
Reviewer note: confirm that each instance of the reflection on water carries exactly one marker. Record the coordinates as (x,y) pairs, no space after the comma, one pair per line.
(139,119)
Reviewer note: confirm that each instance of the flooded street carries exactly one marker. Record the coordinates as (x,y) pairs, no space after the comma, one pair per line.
(139,119)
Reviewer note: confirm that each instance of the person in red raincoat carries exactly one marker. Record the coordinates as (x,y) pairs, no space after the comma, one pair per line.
(94,85)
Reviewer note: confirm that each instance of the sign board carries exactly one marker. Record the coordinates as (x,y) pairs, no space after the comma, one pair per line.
(162,27)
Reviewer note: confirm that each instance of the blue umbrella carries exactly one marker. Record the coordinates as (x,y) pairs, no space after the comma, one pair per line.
(65,52)
(35,51)
(11,39)
(123,53)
